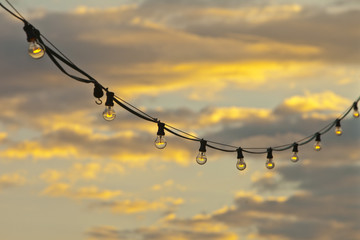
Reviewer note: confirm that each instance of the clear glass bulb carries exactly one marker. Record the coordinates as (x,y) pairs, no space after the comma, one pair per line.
(241,165)
(317,146)
(356,113)
(160,142)
(36,50)
(294,157)
(338,131)
(201,158)
(270,164)
(109,113)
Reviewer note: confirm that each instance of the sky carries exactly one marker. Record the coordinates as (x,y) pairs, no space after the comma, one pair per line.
(246,73)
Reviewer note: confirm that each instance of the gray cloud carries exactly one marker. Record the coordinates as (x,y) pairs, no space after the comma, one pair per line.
(151,234)
(326,207)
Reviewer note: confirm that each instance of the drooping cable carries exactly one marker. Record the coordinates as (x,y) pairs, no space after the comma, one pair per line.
(58,58)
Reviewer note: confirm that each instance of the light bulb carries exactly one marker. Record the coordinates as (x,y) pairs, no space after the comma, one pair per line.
(201,158)
(356,110)
(294,157)
(356,113)
(109,113)
(317,146)
(338,131)
(36,50)
(160,142)
(270,164)
(241,165)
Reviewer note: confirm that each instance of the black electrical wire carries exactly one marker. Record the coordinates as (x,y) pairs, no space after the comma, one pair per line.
(55,57)
(14,9)
(62,54)
(21,19)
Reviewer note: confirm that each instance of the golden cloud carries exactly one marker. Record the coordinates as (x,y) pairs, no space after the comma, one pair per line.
(11,180)
(137,206)
(85,10)
(32,149)
(217,115)
(324,101)
(92,192)
(51,175)
(251,14)
(168,185)
(79,171)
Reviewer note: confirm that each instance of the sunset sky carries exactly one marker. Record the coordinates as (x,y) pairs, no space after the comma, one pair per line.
(253,73)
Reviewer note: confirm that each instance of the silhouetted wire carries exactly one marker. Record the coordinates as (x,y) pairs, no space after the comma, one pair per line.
(137,109)
(15,9)
(179,130)
(52,55)
(141,114)
(222,144)
(220,149)
(21,19)
(179,135)
(132,111)
(47,40)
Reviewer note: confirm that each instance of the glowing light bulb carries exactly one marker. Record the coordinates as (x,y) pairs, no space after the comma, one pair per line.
(338,131)
(294,158)
(356,113)
(241,165)
(109,113)
(317,145)
(356,110)
(269,162)
(36,50)
(160,142)
(201,158)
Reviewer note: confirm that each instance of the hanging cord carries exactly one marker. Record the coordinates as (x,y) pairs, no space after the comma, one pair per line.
(63,55)
(14,9)
(20,18)
(55,57)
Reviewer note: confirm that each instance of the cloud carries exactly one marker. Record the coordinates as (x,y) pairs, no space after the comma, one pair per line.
(34,150)
(11,180)
(324,206)
(168,185)
(78,171)
(217,115)
(112,233)
(91,192)
(171,57)
(316,102)
(138,205)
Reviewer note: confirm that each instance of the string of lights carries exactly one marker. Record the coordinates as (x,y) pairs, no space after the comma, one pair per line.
(38,48)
